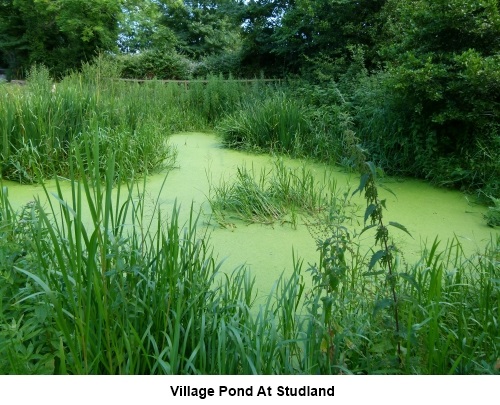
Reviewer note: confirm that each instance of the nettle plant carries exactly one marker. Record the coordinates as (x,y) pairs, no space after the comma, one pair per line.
(385,255)
(342,272)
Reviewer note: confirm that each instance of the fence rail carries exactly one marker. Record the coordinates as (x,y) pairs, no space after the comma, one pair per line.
(187,82)
(183,82)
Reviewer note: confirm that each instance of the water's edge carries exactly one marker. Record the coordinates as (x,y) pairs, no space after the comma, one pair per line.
(268,251)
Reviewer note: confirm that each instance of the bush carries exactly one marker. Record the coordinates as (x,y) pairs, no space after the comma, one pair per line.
(425,121)
(158,64)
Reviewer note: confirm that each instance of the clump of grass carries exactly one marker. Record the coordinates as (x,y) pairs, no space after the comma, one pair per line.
(274,195)
(44,123)
(452,327)
(247,199)
(276,123)
(290,121)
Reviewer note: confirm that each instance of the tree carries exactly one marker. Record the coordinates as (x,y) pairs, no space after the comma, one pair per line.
(290,33)
(58,33)
(140,28)
(442,80)
(201,28)
(260,20)
(328,28)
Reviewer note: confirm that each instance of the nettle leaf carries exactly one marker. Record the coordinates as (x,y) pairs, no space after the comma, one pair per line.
(362,183)
(373,169)
(369,211)
(388,190)
(399,226)
(382,304)
(376,257)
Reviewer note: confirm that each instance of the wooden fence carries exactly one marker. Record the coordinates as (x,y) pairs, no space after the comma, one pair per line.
(186,83)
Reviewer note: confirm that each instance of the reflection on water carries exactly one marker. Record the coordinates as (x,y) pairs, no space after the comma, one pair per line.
(268,251)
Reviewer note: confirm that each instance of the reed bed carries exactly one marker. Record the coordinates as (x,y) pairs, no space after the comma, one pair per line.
(43,123)
(288,123)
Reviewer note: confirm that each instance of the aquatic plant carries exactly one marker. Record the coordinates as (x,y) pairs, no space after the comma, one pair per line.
(276,123)
(278,194)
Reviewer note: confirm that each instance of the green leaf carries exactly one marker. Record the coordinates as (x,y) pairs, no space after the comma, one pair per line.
(387,189)
(376,257)
(369,211)
(362,183)
(37,280)
(373,169)
(399,226)
(382,304)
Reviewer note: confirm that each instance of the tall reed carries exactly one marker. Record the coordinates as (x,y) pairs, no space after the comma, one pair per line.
(277,123)
(43,122)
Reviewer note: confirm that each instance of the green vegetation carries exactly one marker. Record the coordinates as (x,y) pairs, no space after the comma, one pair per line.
(129,293)
(493,215)
(447,311)
(60,34)
(277,195)
(371,312)
(411,87)
(44,123)
(132,291)
(418,82)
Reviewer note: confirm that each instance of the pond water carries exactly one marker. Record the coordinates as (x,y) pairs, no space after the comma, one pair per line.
(268,251)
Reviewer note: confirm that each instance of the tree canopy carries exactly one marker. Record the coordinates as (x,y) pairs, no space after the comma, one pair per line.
(58,33)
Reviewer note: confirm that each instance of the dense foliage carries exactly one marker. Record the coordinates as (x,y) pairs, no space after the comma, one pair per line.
(43,123)
(434,110)
(412,86)
(59,34)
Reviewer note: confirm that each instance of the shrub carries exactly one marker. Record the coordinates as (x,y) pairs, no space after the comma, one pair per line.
(159,64)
